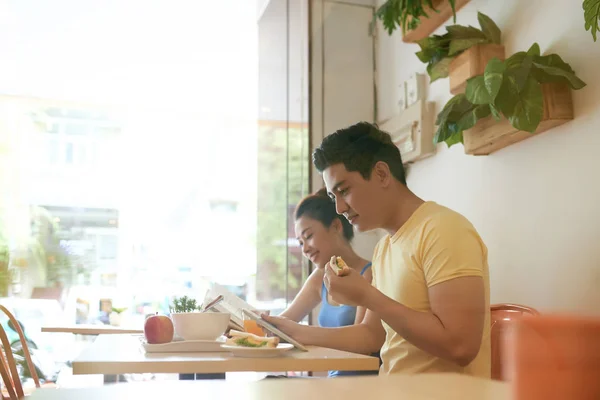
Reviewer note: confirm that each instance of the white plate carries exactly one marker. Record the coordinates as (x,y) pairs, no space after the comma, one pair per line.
(184,346)
(262,352)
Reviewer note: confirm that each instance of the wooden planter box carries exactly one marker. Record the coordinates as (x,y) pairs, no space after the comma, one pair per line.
(489,135)
(435,20)
(470,63)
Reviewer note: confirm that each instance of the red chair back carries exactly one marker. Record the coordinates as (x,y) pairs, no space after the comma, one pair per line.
(502,317)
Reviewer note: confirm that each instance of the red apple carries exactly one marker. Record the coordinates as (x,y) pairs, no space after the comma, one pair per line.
(158,329)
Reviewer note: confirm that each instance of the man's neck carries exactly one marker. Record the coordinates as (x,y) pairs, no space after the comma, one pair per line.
(403,210)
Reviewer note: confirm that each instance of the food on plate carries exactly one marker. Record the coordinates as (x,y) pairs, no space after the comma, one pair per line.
(341,267)
(246,339)
(158,329)
(251,326)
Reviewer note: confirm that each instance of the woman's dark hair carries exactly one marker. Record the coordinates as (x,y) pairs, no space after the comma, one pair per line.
(319,206)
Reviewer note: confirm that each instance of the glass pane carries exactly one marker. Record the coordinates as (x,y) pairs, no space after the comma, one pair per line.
(195,148)
(283,147)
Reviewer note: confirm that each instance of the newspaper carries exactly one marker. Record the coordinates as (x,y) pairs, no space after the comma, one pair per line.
(231,304)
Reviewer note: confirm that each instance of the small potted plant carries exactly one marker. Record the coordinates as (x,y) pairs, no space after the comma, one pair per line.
(531,91)
(192,324)
(116,315)
(462,52)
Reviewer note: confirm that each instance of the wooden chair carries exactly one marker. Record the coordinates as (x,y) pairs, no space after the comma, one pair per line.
(502,317)
(13,387)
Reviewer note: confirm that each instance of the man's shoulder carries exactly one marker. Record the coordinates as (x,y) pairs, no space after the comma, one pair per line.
(437,216)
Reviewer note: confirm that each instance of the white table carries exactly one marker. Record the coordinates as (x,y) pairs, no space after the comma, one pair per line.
(123,354)
(91,329)
(414,387)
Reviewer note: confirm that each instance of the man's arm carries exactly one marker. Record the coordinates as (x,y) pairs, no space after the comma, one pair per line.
(454,327)
(364,338)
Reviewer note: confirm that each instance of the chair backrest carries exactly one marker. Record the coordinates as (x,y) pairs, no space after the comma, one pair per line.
(8,365)
(502,316)
(8,369)
(554,357)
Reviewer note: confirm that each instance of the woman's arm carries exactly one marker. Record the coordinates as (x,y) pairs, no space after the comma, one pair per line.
(307,299)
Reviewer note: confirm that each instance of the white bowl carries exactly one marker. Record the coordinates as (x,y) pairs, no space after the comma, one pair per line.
(200,326)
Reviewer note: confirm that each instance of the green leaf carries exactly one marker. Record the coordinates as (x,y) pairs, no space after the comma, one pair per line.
(454,139)
(476,91)
(439,70)
(453,7)
(453,110)
(528,107)
(505,100)
(534,50)
(427,46)
(553,60)
(433,49)
(515,60)
(457,115)
(457,103)
(495,112)
(470,118)
(546,74)
(489,28)
(464,32)
(521,73)
(493,76)
(545,71)
(459,45)
(591,14)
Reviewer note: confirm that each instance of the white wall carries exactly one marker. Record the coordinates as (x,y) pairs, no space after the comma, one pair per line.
(342,80)
(536,203)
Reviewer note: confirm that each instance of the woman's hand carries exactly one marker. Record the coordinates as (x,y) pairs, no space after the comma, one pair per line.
(285,325)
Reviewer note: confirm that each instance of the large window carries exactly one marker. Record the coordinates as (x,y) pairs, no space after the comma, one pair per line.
(138,161)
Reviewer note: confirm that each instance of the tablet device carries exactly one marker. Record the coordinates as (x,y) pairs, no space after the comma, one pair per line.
(271,328)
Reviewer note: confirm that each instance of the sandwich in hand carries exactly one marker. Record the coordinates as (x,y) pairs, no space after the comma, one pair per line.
(245,339)
(340,267)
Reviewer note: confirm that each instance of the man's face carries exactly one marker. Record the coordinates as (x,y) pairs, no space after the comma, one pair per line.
(355,197)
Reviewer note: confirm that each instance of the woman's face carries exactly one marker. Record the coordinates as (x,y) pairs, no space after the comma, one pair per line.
(318,242)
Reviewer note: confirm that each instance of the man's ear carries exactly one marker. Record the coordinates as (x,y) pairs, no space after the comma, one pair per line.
(381,172)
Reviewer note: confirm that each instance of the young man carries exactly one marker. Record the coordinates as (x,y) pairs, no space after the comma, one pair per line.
(428,307)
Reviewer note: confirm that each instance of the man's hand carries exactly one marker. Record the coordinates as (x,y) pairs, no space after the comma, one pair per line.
(351,289)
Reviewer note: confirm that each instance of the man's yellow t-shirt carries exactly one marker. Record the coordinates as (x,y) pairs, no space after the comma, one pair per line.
(436,244)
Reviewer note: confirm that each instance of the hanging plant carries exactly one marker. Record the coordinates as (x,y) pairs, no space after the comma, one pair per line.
(438,51)
(511,88)
(406,14)
(591,14)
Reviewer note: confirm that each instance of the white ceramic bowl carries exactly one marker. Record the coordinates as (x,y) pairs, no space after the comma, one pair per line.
(200,326)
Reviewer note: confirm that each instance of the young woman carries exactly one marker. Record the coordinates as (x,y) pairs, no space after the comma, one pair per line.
(323,233)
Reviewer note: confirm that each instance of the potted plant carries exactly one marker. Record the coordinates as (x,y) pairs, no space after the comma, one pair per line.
(184,305)
(191,324)
(115,317)
(416,18)
(527,89)
(462,52)
(591,14)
